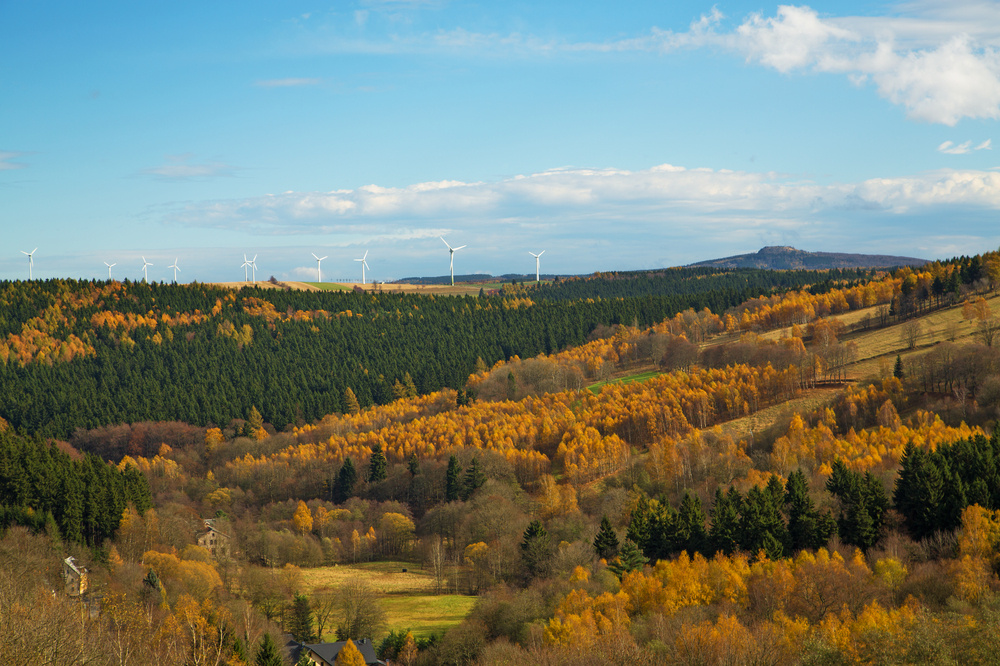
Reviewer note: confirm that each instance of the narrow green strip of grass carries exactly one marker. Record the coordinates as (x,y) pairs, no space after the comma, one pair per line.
(641,377)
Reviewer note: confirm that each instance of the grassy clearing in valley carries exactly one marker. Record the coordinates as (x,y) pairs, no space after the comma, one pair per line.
(407,597)
(425,615)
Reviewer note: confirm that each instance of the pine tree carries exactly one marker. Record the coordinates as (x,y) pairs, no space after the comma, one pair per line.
(807,527)
(536,551)
(300,620)
(691,525)
(413,465)
(346,479)
(897,371)
(240,652)
(267,652)
(606,541)
(376,465)
(474,479)
(452,487)
(630,559)
(723,535)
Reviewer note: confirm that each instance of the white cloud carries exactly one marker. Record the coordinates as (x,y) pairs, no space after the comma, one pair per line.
(936,76)
(795,38)
(183,167)
(7,162)
(951,148)
(939,61)
(594,197)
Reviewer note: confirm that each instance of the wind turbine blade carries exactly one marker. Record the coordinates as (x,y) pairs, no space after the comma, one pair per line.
(541,253)
(315,257)
(254,259)
(322,258)
(365,264)
(366,256)
(446,243)
(460,247)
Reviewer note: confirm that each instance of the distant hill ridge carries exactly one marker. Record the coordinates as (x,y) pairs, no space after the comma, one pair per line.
(784,257)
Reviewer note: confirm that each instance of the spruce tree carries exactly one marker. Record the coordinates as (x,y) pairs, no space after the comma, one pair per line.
(346,479)
(536,551)
(723,536)
(807,527)
(474,479)
(606,541)
(300,620)
(376,465)
(629,559)
(267,653)
(897,371)
(691,525)
(452,487)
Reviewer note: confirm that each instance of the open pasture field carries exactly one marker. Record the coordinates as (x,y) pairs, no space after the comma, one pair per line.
(408,597)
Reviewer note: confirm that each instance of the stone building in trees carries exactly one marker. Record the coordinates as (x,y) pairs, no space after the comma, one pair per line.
(215,542)
(74,577)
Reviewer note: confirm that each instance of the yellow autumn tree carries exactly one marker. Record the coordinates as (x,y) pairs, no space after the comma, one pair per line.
(302,519)
(408,654)
(350,655)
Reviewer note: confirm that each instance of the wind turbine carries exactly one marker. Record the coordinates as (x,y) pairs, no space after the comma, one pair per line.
(319,275)
(364,265)
(452,251)
(31,262)
(246,266)
(109,268)
(536,256)
(253,267)
(145,265)
(175,267)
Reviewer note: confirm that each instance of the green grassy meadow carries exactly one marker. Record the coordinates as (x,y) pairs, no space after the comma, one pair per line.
(629,379)
(407,597)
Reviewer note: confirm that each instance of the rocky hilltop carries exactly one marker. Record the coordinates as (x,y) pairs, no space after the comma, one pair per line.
(786,257)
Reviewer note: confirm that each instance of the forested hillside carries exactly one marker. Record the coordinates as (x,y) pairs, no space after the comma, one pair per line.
(88,354)
(694,486)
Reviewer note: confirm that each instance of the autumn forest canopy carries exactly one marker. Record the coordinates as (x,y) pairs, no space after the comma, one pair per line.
(682,466)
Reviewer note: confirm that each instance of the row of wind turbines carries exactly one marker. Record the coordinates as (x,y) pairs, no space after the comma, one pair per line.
(251,265)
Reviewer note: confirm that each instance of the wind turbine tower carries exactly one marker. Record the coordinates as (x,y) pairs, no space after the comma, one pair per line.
(253,268)
(451,255)
(109,268)
(175,267)
(145,265)
(537,256)
(31,261)
(246,269)
(364,265)
(319,275)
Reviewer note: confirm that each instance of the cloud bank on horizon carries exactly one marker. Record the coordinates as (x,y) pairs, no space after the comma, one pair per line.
(386,124)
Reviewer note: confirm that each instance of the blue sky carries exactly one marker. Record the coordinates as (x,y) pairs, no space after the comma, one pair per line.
(613,136)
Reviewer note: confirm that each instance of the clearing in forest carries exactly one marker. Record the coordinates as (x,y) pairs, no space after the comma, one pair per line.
(408,597)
